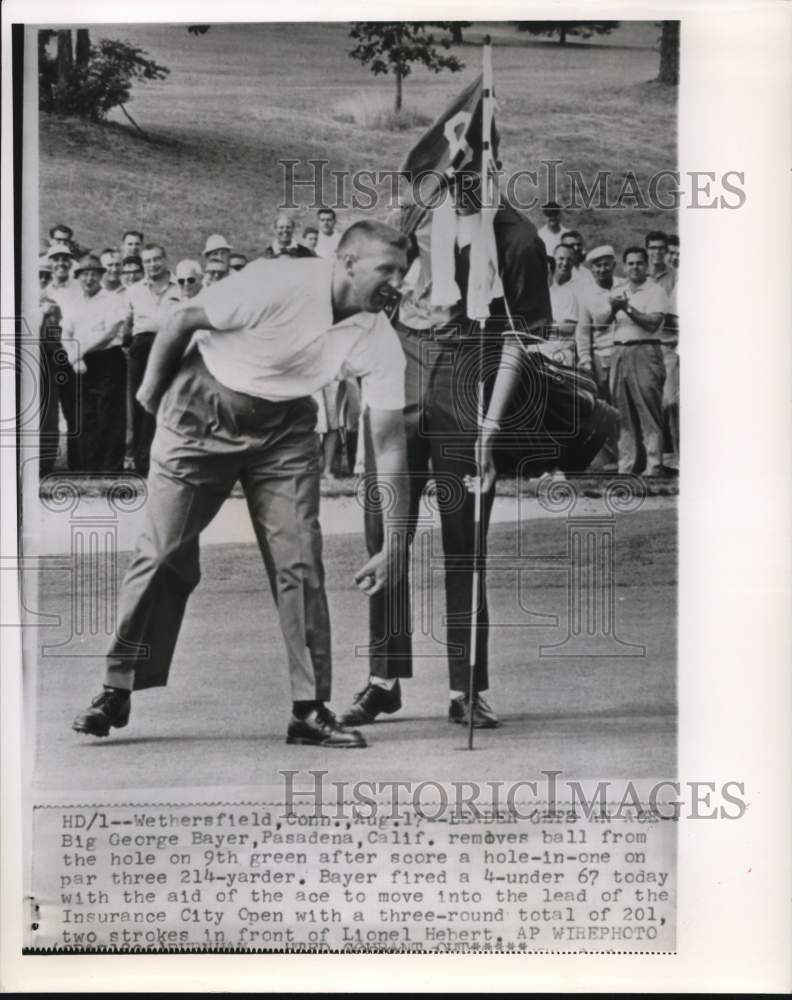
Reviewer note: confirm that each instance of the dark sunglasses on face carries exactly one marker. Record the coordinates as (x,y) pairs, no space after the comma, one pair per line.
(186,281)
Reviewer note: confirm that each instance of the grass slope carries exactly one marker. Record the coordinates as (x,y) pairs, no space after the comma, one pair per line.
(242,97)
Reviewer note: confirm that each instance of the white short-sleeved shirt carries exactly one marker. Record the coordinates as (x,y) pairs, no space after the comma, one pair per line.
(326,246)
(62,294)
(149,308)
(582,277)
(596,310)
(564,303)
(275,336)
(86,318)
(647,298)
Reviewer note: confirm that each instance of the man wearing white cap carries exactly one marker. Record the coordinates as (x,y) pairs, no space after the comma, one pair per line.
(92,323)
(594,331)
(217,248)
(60,290)
(60,261)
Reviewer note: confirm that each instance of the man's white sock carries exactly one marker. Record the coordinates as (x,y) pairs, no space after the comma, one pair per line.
(389,683)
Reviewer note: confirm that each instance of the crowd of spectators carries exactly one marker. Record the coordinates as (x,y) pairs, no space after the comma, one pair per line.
(622,328)
(117,299)
(614,316)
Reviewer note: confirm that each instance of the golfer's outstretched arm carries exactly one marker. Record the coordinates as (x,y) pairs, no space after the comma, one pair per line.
(390,456)
(166,352)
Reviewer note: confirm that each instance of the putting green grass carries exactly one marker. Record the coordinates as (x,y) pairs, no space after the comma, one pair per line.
(221,721)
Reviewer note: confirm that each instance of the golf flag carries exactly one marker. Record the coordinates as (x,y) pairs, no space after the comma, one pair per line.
(484,283)
(452,144)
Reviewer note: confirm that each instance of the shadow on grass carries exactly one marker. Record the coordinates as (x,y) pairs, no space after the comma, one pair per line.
(125,741)
(78,131)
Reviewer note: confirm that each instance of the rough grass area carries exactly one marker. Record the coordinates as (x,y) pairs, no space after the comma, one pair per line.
(379,114)
(243,97)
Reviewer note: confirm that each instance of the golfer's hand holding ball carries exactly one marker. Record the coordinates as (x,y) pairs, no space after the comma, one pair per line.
(373,575)
(383,566)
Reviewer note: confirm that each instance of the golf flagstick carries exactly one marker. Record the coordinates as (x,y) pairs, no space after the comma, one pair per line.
(479,294)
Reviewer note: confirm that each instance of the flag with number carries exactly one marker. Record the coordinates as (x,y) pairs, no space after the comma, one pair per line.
(451,145)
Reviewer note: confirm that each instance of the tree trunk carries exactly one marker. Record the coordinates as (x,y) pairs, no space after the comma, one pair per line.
(65,56)
(456,34)
(47,69)
(669,53)
(562,34)
(398,89)
(83,49)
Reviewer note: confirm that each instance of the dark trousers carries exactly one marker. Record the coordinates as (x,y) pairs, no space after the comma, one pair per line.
(103,406)
(69,393)
(440,418)
(49,397)
(143,424)
(207,438)
(671,399)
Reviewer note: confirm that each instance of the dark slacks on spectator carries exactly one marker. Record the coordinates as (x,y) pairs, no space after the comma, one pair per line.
(636,384)
(143,424)
(671,399)
(49,400)
(207,438)
(69,392)
(440,419)
(103,405)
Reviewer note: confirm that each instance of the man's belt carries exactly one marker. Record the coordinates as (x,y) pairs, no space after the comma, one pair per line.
(446,331)
(633,343)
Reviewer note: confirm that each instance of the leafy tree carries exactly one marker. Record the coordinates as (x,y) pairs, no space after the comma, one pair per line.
(565,29)
(393,46)
(94,79)
(669,52)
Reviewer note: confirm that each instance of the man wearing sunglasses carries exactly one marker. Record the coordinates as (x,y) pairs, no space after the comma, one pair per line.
(188,278)
(581,276)
(131,271)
